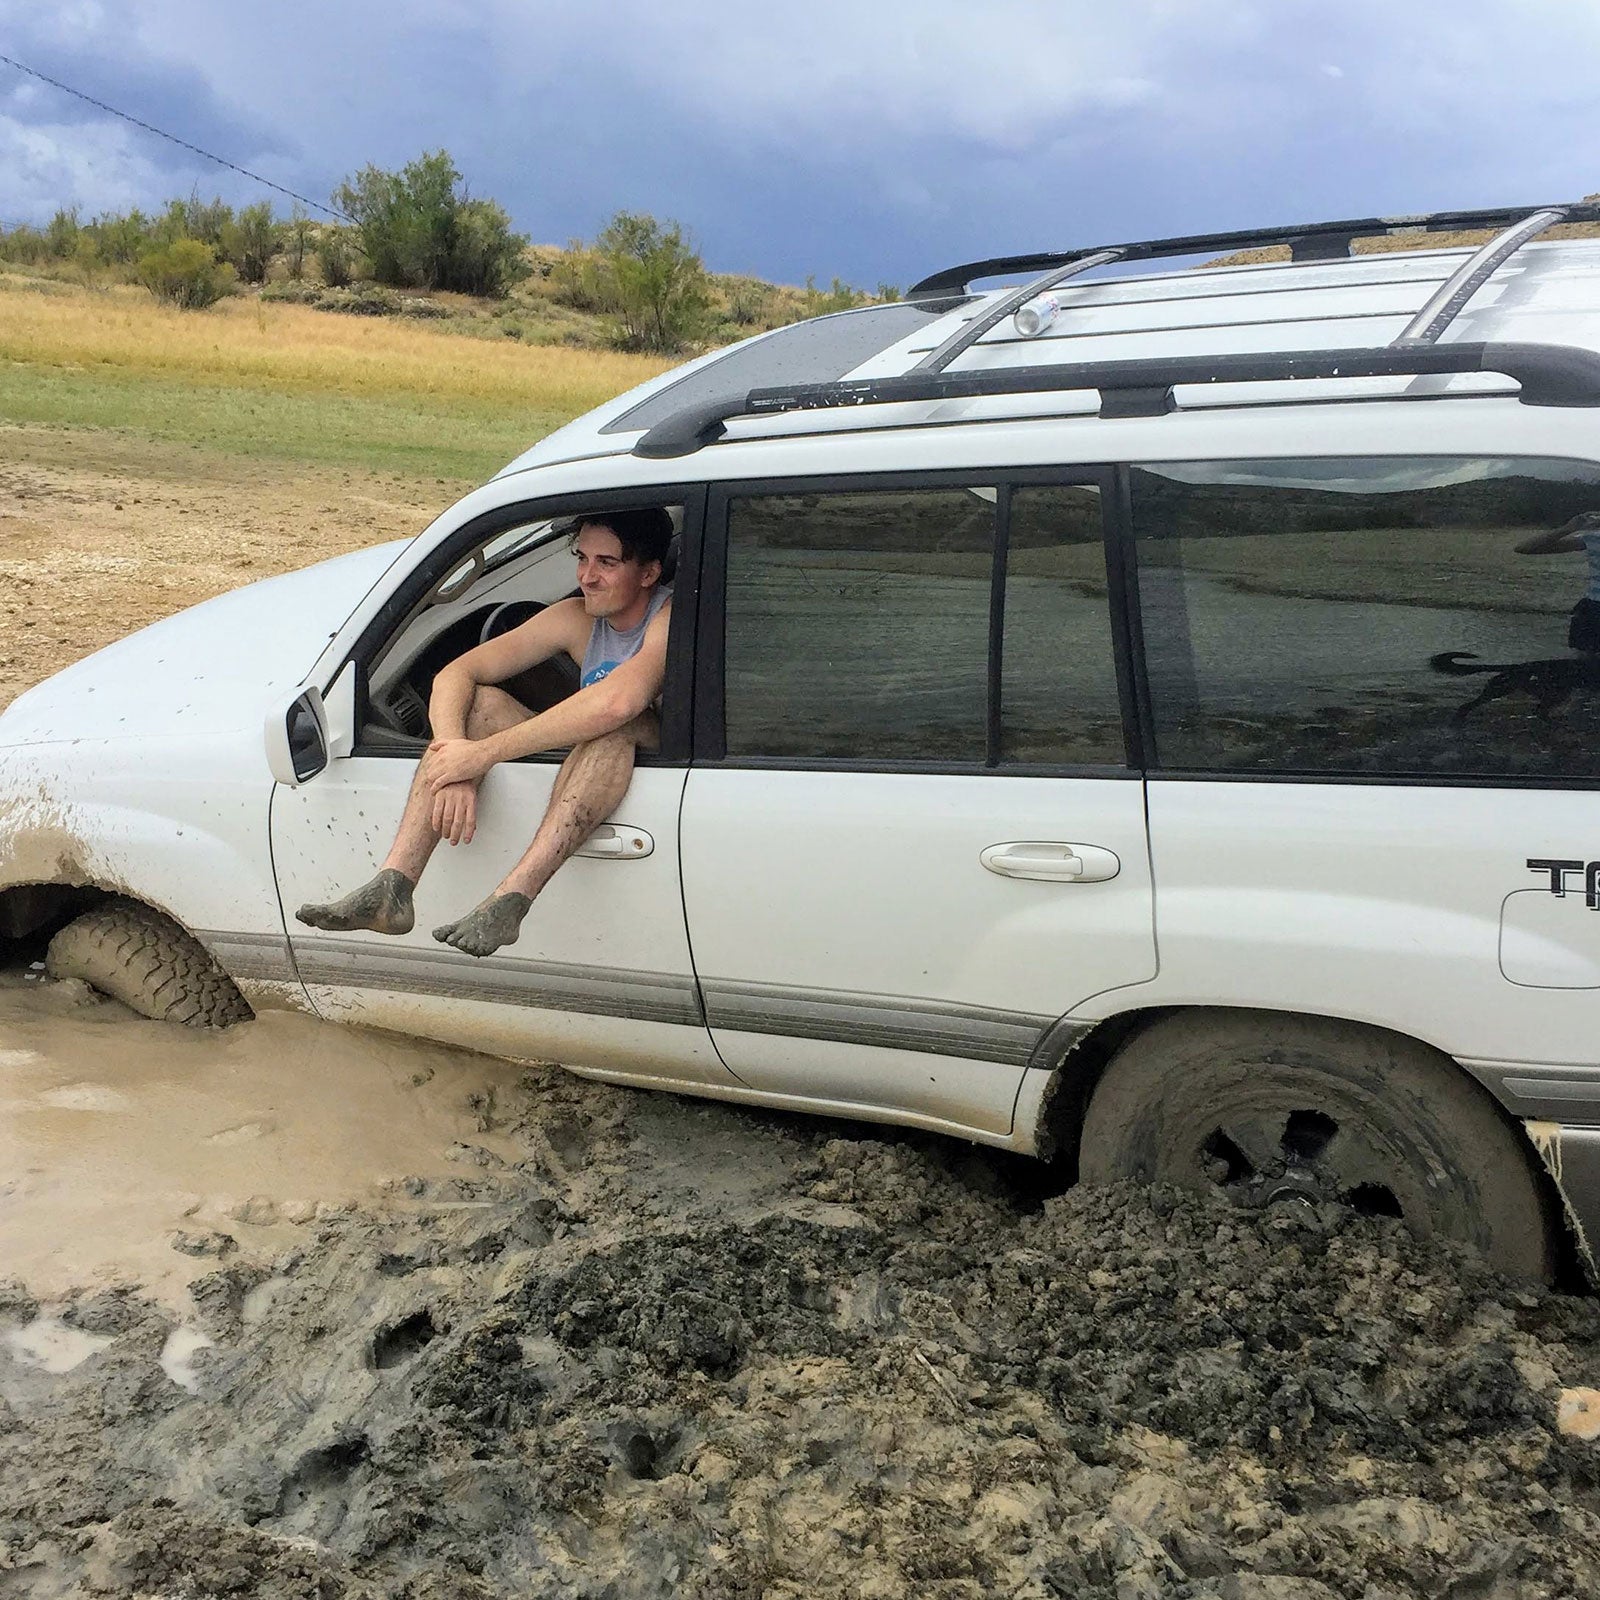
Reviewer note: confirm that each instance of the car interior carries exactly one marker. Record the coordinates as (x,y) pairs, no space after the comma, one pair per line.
(493,588)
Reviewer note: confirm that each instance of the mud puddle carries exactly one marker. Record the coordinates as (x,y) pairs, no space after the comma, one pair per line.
(133,1151)
(643,1346)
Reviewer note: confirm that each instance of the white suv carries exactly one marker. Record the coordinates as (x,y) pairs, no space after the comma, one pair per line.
(1145,719)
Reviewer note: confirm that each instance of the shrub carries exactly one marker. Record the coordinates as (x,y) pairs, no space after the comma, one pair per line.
(652,281)
(575,280)
(194,218)
(297,242)
(335,258)
(419,229)
(61,234)
(747,302)
(24,244)
(838,296)
(121,240)
(254,241)
(186,273)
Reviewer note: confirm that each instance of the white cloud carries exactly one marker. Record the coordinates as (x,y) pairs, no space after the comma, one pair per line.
(95,166)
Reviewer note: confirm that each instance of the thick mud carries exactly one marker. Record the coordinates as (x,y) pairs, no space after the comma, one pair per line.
(587,1342)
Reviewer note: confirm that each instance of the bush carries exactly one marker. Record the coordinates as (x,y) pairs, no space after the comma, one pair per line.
(24,244)
(335,258)
(121,240)
(186,273)
(419,230)
(748,302)
(838,296)
(652,281)
(575,280)
(297,243)
(254,242)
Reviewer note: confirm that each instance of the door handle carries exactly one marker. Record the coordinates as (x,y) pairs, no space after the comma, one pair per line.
(616,842)
(1052,862)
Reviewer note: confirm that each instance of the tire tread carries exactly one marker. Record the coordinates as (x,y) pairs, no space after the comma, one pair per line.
(148,962)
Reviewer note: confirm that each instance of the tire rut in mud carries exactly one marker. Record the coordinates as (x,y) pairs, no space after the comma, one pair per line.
(874,1371)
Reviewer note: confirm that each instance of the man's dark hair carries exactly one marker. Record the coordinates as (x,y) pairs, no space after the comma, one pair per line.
(643,535)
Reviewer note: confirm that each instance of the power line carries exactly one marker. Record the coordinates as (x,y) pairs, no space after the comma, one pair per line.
(255,177)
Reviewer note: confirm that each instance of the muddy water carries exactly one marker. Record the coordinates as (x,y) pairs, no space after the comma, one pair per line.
(129,1150)
(574,1341)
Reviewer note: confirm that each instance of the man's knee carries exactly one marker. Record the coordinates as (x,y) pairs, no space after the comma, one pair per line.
(492,711)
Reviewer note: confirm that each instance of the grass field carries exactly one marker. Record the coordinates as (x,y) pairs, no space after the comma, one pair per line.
(264,380)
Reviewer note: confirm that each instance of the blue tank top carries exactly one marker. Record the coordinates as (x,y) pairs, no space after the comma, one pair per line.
(609,647)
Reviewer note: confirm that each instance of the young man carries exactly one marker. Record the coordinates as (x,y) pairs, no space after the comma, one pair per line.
(617,633)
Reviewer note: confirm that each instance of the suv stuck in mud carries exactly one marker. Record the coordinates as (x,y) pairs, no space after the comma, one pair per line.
(1144,719)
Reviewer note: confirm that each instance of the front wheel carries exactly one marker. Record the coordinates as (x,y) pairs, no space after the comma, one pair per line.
(149,963)
(1302,1111)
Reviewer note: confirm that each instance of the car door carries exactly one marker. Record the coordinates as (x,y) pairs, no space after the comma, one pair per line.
(912,837)
(600,975)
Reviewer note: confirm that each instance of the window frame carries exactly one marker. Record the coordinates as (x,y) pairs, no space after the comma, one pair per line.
(710,727)
(677,693)
(1125,538)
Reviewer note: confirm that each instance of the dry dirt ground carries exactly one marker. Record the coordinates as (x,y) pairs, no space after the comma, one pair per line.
(101,534)
(297,1311)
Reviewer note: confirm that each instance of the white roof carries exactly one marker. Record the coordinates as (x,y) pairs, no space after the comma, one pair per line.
(1548,292)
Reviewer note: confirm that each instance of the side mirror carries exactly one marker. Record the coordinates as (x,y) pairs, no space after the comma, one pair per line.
(297,737)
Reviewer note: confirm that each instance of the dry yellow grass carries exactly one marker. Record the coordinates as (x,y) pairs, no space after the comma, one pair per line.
(294,349)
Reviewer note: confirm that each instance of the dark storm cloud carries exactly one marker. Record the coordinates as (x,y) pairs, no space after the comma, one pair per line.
(872,142)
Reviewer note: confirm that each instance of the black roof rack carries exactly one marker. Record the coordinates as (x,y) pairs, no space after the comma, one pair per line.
(1550,375)
(1310,241)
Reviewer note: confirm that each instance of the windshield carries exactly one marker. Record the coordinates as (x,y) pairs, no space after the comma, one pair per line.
(810,352)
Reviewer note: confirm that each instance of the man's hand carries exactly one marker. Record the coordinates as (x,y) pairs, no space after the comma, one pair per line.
(452,761)
(455,812)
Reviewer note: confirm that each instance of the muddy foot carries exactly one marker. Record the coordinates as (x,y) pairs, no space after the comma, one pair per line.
(383,905)
(487,926)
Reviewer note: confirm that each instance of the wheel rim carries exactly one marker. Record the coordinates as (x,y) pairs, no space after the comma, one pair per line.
(1300,1159)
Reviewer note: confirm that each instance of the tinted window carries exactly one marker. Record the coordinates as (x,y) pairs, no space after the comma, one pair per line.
(858,624)
(1059,683)
(1399,617)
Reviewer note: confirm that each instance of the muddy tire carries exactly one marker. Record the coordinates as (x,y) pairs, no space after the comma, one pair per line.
(1307,1112)
(149,963)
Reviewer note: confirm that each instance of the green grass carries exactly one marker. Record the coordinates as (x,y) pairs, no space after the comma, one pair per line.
(452,439)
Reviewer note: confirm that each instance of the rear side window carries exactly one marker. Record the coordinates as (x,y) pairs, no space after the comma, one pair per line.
(1395,617)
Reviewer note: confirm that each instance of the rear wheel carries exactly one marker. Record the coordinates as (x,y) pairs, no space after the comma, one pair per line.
(149,963)
(1273,1110)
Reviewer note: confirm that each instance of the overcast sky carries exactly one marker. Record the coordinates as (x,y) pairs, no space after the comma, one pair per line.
(873,139)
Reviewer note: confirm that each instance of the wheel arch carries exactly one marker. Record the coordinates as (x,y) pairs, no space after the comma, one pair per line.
(1083,1062)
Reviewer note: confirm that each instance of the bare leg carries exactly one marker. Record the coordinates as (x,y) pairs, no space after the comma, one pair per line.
(590,786)
(384,903)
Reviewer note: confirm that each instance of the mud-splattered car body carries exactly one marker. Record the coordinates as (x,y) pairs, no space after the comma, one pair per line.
(1011,713)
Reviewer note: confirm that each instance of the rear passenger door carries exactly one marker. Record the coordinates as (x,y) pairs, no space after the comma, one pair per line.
(1375,750)
(912,837)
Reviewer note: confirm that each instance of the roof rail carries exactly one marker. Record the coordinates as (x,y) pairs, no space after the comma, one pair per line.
(1310,241)
(1550,375)
(1445,306)
(971,331)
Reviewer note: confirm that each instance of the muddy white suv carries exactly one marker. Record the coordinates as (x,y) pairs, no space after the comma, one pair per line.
(1146,718)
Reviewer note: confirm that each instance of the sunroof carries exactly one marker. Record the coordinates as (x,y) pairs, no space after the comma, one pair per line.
(809,352)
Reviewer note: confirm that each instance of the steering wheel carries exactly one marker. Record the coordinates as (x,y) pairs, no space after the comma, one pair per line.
(507,615)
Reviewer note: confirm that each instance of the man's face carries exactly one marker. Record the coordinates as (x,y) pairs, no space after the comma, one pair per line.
(611,583)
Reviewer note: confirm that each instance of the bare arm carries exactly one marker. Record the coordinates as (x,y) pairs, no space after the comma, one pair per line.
(563,626)
(600,709)
(1560,541)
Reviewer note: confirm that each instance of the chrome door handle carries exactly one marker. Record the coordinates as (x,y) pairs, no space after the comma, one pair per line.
(616,842)
(1052,862)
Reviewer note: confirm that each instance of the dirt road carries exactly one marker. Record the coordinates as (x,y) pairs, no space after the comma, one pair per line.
(299,1311)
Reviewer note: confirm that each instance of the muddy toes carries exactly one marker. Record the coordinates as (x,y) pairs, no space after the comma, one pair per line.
(381,906)
(486,927)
